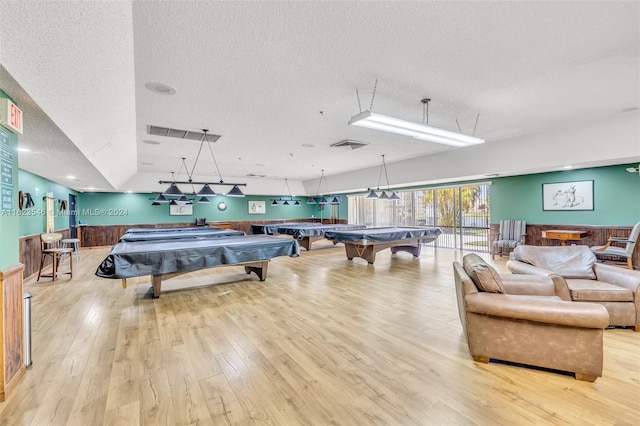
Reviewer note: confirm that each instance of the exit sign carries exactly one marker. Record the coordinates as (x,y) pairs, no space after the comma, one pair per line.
(10,115)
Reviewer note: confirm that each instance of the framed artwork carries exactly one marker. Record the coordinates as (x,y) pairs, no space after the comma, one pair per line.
(181,209)
(568,196)
(257,207)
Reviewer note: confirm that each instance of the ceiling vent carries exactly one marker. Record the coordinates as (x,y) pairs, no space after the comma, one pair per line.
(350,143)
(180,134)
(255,175)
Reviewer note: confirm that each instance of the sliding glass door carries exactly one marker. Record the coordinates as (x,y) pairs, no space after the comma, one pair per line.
(461,212)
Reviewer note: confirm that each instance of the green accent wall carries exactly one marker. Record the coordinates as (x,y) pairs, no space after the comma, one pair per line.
(616,197)
(33,220)
(105,208)
(9,219)
(9,249)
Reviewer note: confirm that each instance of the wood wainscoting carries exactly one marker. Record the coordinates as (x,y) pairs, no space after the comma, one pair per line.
(12,366)
(597,235)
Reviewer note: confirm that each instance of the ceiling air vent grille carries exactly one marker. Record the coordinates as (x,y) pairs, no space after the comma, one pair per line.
(180,134)
(350,143)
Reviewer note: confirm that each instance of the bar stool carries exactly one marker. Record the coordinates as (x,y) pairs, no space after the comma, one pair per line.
(73,243)
(49,247)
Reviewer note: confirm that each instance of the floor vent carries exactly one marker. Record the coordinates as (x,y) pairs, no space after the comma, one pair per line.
(180,134)
(350,143)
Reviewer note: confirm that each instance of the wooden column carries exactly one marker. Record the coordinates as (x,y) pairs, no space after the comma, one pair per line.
(12,366)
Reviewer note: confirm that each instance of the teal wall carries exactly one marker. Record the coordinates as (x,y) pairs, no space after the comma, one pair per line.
(9,249)
(104,208)
(616,197)
(33,220)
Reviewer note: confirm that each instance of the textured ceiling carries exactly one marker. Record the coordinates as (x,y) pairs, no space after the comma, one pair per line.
(278,80)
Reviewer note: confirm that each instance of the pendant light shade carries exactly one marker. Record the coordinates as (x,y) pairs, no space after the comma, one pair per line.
(311,200)
(274,203)
(204,200)
(183,199)
(297,203)
(206,190)
(372,195)
(286,203)
(160,199)
(173,203)
(335,200)
(155,203)
(235,192)
(394,196)
(383,196)
(173,190)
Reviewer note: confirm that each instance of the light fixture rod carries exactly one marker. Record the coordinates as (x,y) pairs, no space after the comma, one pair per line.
(188,182)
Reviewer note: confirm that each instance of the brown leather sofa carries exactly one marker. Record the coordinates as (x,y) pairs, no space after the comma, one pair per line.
(581,279)
(521,319)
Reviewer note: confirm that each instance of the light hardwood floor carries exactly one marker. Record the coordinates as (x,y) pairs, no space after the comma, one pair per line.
(322,341)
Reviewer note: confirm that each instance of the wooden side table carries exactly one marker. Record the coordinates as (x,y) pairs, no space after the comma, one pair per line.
(563,235)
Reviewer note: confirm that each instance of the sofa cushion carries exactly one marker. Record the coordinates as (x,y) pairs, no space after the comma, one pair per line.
(568,262)
(597,291)
(483,275)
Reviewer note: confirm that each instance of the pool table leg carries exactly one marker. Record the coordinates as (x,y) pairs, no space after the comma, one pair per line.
(414,250)
(259,268)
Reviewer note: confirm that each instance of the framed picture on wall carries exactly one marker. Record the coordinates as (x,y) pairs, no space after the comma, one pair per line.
(181,209)
(257,207)
(568,196)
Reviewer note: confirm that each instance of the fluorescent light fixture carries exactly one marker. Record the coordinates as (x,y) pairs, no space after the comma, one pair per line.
(419,131)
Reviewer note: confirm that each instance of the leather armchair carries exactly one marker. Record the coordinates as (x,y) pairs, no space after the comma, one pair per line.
(528,323)
(574,268)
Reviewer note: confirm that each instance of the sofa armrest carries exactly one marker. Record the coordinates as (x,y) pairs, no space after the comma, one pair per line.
(518,267)
(618,276)
(549,310)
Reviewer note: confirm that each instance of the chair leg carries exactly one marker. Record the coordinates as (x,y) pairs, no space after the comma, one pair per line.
(630,263)
(41,265)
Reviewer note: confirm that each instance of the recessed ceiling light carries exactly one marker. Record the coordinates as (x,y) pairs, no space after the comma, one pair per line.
(24,149)
(150,142)
(71,177)
(160,88)
(567,167)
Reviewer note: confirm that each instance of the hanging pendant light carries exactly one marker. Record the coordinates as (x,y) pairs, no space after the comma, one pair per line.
(311,200)
(384,195)
(275,203)
(160,199)
(173,190)
(235,192)
(206,190)
(203,200)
